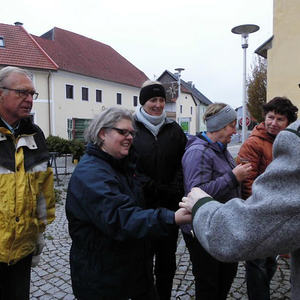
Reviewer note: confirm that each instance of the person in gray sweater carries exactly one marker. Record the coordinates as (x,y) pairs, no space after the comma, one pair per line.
(265,224)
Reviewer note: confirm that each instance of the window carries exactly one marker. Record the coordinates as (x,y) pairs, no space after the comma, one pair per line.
(181,109)
(135,100)
(70,129)
(76,128)
(98,96)
(119,98)
(69,91)
(191,110)
(85,94)
(2,44)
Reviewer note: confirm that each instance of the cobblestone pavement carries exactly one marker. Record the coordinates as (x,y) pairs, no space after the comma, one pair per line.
(51,279)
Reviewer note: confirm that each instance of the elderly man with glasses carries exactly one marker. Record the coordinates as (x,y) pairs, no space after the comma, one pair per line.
(26,184)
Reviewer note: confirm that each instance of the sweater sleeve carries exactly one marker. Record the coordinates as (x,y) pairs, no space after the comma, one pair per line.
(265,224)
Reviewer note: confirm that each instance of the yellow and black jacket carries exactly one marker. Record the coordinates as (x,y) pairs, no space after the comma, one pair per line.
(27,202)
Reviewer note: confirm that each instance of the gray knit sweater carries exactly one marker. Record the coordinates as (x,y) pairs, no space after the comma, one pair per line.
(265,224)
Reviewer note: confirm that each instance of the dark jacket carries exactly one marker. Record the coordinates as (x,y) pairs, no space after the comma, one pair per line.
(257,149)
(109,254)
(209,167)
(159,164)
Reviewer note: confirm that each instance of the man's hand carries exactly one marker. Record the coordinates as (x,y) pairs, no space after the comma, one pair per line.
(182,216)
(241,172)
(194,195)
(40,244)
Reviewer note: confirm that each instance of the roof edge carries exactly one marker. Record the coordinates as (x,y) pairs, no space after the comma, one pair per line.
(262,50)
(41,49)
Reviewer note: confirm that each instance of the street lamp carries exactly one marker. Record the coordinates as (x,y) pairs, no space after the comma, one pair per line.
(244,31)
(179,70)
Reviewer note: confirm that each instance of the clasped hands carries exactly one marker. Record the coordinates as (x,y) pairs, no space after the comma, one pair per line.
(184,214)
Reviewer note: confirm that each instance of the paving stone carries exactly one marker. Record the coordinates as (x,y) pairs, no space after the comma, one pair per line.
(46,287)
(59,295)
(69,297)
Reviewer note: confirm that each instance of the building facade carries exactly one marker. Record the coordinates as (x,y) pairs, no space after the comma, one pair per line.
(282,52)
(76,77)
(188,106)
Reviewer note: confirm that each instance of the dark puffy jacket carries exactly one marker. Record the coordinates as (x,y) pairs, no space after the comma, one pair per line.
(109,255)
(159,164)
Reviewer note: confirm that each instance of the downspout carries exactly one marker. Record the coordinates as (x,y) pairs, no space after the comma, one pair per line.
(49,104)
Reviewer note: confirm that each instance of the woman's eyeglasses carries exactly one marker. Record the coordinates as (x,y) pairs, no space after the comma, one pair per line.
(123,132)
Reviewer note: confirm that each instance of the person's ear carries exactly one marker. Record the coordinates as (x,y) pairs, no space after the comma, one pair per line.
(102,134)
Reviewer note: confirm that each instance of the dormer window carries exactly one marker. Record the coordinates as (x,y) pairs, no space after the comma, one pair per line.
(2,44)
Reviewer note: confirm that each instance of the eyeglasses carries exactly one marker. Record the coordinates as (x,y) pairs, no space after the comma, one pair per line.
(23,93)
(124,132)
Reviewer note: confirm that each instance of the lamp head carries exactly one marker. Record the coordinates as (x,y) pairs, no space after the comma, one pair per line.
(245,29)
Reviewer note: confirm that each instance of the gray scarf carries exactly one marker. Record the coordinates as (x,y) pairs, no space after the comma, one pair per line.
(153,123)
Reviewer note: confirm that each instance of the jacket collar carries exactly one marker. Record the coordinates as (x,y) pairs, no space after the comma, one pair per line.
(214,145)
(121,164)
(25,127)
(261,132)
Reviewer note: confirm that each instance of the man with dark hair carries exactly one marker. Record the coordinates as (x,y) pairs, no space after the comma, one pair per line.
(26,184)
(257,150)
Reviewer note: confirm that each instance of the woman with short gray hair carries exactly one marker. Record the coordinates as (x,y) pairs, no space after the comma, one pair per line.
(107,119)
(109,257)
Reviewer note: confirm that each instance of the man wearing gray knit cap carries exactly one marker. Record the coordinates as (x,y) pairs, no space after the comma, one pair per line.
(208,164)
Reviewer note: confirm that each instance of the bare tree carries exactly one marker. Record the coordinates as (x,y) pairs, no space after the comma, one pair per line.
(257,89)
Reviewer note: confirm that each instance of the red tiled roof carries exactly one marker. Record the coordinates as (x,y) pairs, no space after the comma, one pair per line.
(22,50)
(79,54)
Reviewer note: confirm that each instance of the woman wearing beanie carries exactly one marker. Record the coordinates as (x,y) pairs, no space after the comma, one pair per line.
(208,164)
(159,146)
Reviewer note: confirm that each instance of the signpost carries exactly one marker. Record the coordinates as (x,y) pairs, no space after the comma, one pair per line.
(248,121)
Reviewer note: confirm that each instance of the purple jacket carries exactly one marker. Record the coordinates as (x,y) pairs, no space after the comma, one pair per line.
(209,167)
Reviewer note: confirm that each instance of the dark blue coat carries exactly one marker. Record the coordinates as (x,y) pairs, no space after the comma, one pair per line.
(109,254)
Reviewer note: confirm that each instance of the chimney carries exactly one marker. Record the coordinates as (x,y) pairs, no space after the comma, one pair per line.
(18,24)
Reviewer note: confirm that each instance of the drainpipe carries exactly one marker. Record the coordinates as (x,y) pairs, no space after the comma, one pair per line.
(49,104)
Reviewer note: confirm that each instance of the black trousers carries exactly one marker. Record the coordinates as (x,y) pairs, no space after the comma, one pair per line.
(164,251)
(15,280)
(259,273)
(213,278)
(150,295)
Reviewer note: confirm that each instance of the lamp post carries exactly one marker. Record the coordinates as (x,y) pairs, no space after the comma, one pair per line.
(179,70)
(244,31)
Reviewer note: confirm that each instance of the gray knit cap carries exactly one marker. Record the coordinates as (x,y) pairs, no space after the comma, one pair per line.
(222,118)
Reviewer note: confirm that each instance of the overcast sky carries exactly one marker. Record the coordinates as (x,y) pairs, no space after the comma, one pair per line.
(160,35)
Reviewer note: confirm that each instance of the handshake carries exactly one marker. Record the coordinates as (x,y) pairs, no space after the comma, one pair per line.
(184,214)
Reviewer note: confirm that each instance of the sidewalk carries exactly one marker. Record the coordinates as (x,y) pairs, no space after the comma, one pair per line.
(51,279)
